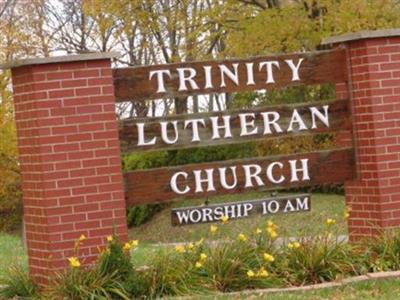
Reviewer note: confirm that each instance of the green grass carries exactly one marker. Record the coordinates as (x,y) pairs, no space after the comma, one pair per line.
(160,230)
(381,289)
(11,252)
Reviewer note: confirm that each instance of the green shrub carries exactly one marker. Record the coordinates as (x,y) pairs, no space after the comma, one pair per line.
(316,259)
(17,283)
(91,283)
(170,274)
(138,215)
(10,206)
(382,253)
(107,279)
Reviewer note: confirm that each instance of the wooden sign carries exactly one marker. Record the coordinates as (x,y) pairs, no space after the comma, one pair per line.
(228,177)
(227,127)
(240,210)
(233,75)
(221,128)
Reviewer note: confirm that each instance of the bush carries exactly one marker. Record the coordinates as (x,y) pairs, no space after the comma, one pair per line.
(315,260)
(256,259)
(382,253)
(138,215)
(17,283)
(107,279)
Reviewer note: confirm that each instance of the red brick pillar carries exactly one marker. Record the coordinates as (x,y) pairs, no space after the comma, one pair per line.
(374,65)
(70,158)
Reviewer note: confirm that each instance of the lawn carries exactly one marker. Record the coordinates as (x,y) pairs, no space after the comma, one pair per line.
(11,252)
(159,229)
(388,289)
(323,206)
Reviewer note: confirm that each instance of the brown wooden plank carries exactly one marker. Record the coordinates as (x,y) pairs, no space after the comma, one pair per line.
(325,167)
(239,210)
(338,112)
(133,84)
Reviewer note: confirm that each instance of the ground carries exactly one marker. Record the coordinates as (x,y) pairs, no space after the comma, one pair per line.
(323,206)
(388,289)
(159,230)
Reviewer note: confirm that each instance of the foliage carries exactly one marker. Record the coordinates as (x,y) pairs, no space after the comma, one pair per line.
(17,283)
(138,215)
(301,25)
(89,283)
(10,194)
(254,259)
(171,274)
(105,280)
(317,259)
(382,253)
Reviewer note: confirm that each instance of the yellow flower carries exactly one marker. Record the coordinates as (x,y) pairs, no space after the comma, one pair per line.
(198,265)
(224,219)
(262,273)
(200,242)
(258,231)
(330,221)
(109,238)
(250,274)
(127,246)
(242,237)
(294,245)
(180,249)
(74,262)
(271,225)
(272,233)
(346,213)
(268,257)
(203,256)
(134,243)
(82,238)
(213,229)
(190,246)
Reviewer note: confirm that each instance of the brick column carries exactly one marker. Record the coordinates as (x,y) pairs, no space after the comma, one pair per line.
(374,64)
(70,158)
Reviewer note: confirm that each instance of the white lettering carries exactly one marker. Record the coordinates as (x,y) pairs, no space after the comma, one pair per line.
(232,75)
(323,117)
(303,169)
(268,122)
(195,128)
(269,65)
(226,126)
(294,68)
(160,79)
(289,206)
(270,174)
(208,180)
(244,124)
(164,132)
(302,204)
(183,79)
(250,74)
(141,139)
(249,175)
(296,118)
(174,185)
(222,176)
(207,75)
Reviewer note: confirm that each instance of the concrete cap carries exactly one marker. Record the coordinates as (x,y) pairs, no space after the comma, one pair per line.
(366,34)
(58,59)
